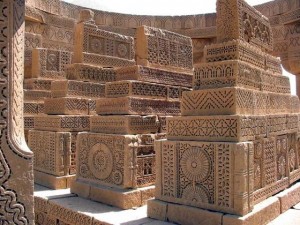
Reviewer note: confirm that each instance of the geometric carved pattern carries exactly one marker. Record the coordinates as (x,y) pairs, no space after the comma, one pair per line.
(112,160)
(163,49)
(203,174)
(154,75)
(218,101)
(136,106)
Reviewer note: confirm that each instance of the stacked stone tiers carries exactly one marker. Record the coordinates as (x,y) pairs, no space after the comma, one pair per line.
(236,141)
(116,163)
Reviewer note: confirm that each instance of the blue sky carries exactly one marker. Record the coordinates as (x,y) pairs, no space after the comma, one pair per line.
(163,7)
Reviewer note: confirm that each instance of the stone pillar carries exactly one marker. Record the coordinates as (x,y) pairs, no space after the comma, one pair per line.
(16,176)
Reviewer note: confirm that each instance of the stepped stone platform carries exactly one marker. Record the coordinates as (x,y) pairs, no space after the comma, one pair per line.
(62,207)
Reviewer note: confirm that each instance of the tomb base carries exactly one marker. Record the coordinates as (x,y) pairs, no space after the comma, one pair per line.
(262,214)
(118,197)
(53,182)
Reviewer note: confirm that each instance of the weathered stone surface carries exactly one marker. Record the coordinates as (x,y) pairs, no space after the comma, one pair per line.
(124,124)
(90,73)
(53,182)
(163,49)
(289,217)
(67,106)
(62,123)
(142,89)
(289,197)
(262,213)
(127,162)
(52,151)
(215,175)
(48,63)
(93,46)
(154,75)
(79,89)
(233,128)
(136,106)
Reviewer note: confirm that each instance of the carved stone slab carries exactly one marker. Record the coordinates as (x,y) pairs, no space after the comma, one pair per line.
(51,151)
(102,48)
(124,124)
(31,108)
(163,123)
(238,20)
(142,89)
(241,50)
(229,73)
(90,73)
(36,95)
(31,41)
(136,106)
(37,84)
(115,160)
(154,75)
(163,49)
(217,128)
(70,88)
(67,106)
(62,123)
(221,101)
(48,63)
(275,83)
(210,175)
(28,122)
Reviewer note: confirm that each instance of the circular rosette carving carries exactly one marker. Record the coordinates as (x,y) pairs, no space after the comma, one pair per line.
(195,195)
(83,170)
(196,164)
(96,45)
(117,177)
(100,161)
(122,50)
(52,59)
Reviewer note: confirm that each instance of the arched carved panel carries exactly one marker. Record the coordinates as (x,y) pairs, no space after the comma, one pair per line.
(16,172)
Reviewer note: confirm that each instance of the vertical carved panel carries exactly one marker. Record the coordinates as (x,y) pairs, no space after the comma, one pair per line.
(16,179)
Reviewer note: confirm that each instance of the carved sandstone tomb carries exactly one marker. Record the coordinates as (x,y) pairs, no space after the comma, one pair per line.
(236,143)
(116,159)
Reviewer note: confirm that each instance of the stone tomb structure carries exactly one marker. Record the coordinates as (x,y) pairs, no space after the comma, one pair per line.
(116,159)
(236,141)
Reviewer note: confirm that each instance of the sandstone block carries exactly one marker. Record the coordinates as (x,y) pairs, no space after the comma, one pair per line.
(53,182)
(69,88)
(136,106)
(237,20)
(163,123)
(62,123)
(213,175)
(263,213)
(102,48)
(37,84)
(67,106)
(31,108)
(124,124)
(52,151)
(157,209)
(36,95)
(295,104)
(154,75)
(216,128)
(228,73)
(28,122)
(121,161)
(221,101)
(289,197)
(48,63)
(90,73)
(163,49)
